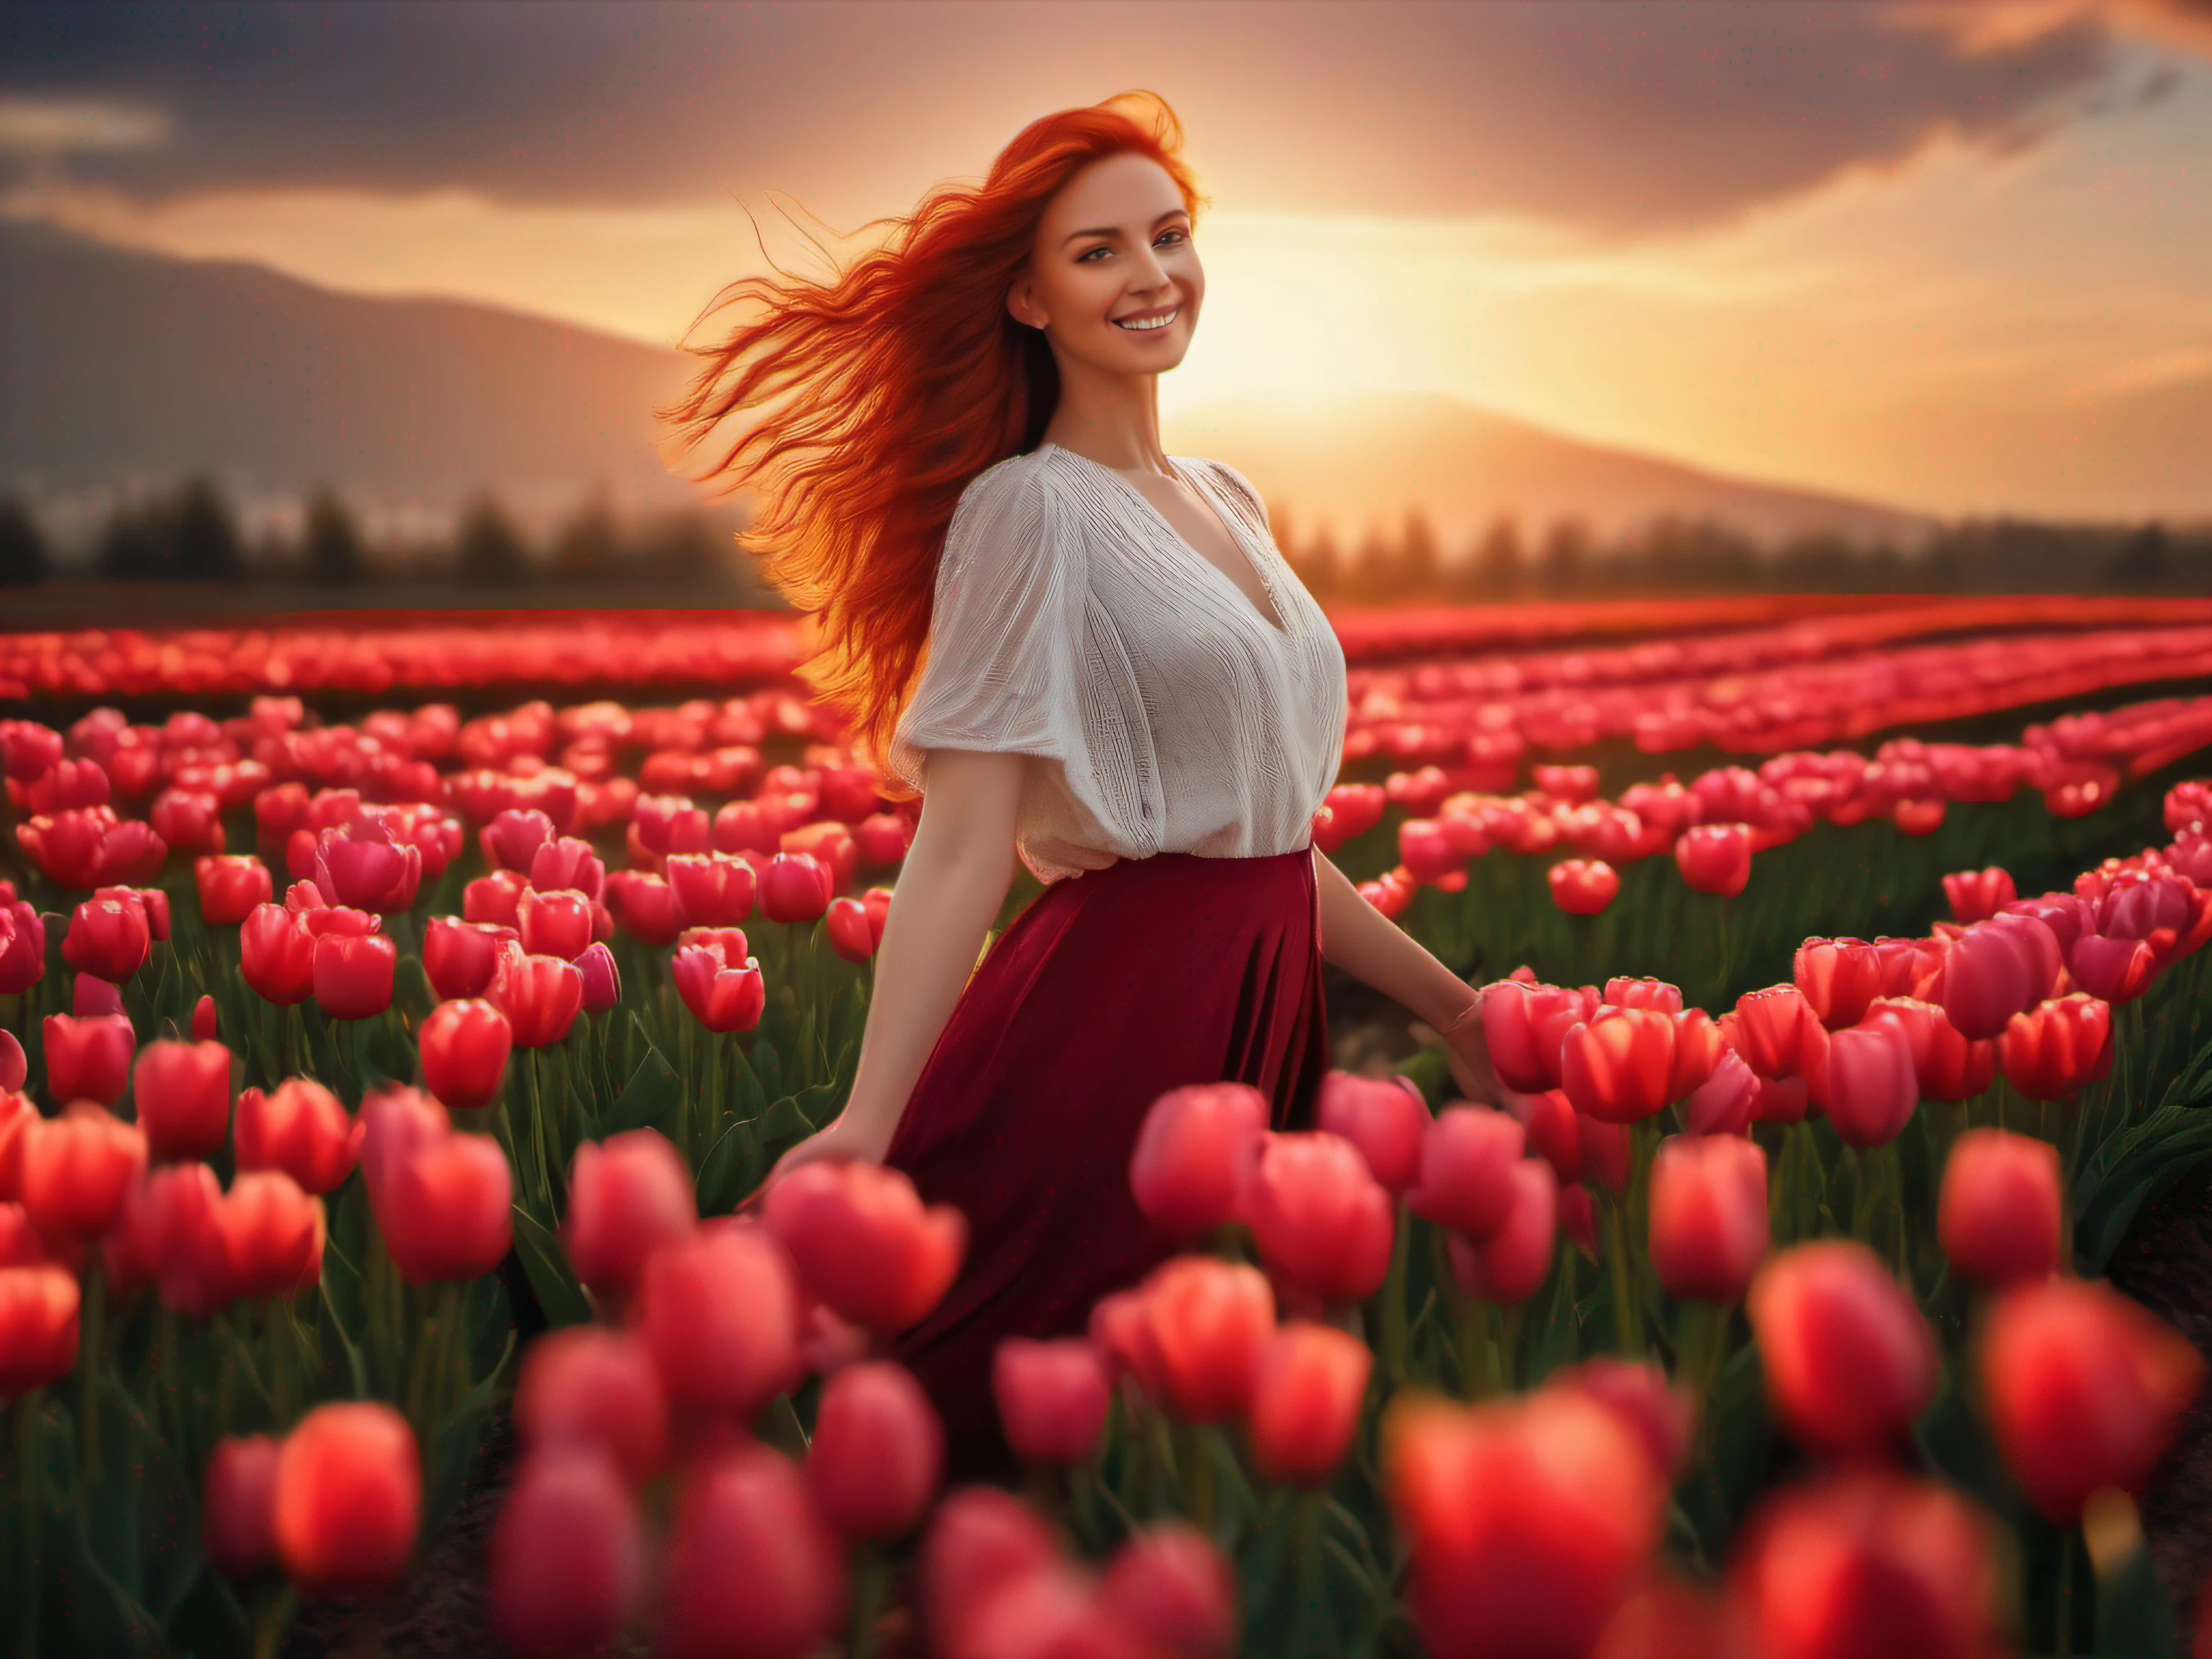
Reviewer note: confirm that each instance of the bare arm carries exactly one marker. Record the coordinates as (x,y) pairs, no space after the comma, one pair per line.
(1374,950)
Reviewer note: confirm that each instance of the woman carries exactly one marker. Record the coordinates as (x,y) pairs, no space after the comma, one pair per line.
(1125,682)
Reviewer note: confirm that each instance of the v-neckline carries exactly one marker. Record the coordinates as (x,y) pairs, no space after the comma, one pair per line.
(1176,536)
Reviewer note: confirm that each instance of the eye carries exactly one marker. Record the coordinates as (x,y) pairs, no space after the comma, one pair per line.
(1181,236)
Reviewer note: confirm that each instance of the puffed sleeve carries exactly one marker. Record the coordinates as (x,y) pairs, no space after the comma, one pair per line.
(1005,641)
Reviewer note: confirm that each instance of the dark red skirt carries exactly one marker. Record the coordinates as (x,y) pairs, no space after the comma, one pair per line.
(1111,988)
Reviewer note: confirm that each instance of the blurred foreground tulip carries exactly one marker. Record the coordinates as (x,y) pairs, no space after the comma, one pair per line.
(1849,1360)
(349,1499)
(465,1046)
(750,1505)
(1997,1214)
(627,1196)
(238,1512)
(592,1385)
(1708,1210)
(1323,1225)
(1195,1150)
(719,1311)
(182,1092)
(299,1127)
(1306,1402)
(566,1564)
(877,1453)
(87,1058)
(38,1327)
(864,1244)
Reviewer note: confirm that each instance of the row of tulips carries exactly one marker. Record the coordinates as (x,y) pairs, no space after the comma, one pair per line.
(1829,1069)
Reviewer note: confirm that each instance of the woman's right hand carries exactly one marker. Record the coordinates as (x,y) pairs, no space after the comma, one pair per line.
(840,1140)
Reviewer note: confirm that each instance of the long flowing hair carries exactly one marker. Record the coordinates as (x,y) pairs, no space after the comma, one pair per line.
(900,380)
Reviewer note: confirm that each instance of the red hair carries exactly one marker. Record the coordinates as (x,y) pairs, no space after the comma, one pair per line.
(906,377)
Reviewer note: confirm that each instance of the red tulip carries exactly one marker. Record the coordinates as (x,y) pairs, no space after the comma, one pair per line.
(461,956)
(1512,1263)
(1523,1023)
(91,996)
(394,1121)
(1725,1103)
(1386,1118)
(627,1196)
(353,975)
(591,1385)
(1617,1066)
(189,820)
(348,1498)
(644,907)
(171,1231)
(1194,1150)
(555,924)
(88,1058)
(1120,1329)
(1210,1321)
(2086,1388)
(750,1505)
(1947,1065)
(2118,970)
(272,1235)
(1666,1618)
(15,1064)
(602,980)
(567,862)
(1169,1586)
(1995,970)
(1849,1360)
(239,1513)
(718,1311)
(1839,977)
(541,996)
(446,1208)
(712,890)
(864,1244)
(1582,887)
(276,956)
(79,1170)
(851,935)
(465,1046)
(1997,1216)
(978,1541)
(1863,1077)
(1323,1225)
(1714,858)
(38,1327)
(1660,1412)
(205,1025)
(566,1564)
(795,887)
(22,946)
(878,1452)
(2057,1046)
(720,996)
(1528,1520)
(512,840)
(1052,1396)
(1770,1030)
(1306,1402)
(182,1090)
(108,938)
(496,899)
(1977,895)
(1468,1158)
(1708,1215)
(367,870)
(299,1127)
(1868,1561)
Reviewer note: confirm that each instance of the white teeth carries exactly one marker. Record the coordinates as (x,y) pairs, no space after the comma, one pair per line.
(1155,322)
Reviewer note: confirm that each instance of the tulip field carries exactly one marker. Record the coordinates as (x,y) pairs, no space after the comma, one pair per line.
(395,1014)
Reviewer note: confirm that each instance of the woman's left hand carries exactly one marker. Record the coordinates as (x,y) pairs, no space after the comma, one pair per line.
(1467,1051)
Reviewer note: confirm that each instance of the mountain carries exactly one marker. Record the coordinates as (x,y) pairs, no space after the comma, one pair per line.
(123,365)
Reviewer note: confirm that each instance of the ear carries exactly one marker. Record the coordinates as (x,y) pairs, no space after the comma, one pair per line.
(1019,305)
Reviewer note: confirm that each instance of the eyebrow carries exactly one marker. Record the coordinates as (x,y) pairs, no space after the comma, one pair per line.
(1115,230)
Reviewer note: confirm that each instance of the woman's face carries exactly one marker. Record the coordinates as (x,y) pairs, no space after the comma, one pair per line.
(1114,244)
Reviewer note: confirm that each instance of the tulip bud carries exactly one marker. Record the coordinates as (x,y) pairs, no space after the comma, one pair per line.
(89,1058)
(1194,1150)
(567,1560)
(1839,977)
(627,1196)
(795,887)
(602,980)
(205,1022)
(588,1384)
(1513,1262)
(1714,858)
(2058,1047)
(1169,1586)
(1661,1412)
(1386,1119)
(38,1328)
(1770,1029)
(1849,1361)
(348,1498)
(183,1094)
(461,956)
(1977,895)
(555,924)
(1323,1226)
(230,888)
(1995,970)
(751,1505)
(851,935)
(15,1064)
(272,1235)
(79,1170)
(1864,1078)
(91,996)
(1210,1321)
(1468,1158)
(719,1311)
(2086,1388)
(108,938)
(644,906)
(1582,887)
(238,1517)
(1726,1102)
(721,996)
(299,1127)
(1306,1402)
(1523,1025)
(540,995)
(1708,1215)
(878,1452)
(1997,1216)
(1618,1066)
(276,956)
(1948,1066)
(979,1540)
(860,1237)
(465,1047)
(1052,1396)
(353,974)
(446,1209)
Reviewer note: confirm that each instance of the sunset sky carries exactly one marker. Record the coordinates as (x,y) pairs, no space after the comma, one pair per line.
(1952,257)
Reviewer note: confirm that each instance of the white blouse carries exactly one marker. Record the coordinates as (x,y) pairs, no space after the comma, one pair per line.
(1165,712)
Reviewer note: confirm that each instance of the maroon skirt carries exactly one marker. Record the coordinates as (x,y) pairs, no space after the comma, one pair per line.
(1109,988)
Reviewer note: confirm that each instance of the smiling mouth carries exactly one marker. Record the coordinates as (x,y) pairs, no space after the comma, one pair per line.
(1150,323)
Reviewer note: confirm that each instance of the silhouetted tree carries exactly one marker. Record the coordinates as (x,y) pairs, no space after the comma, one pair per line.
(205,540)
(1374,574)
(332,542)
(1499,568)
(585,548)
(1421,566)
(1320,566)
(133,546)
(1563,565)
(2143,559)
(489,550)
(23,547)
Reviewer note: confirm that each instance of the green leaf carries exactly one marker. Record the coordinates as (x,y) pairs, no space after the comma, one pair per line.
(546,1265)
(768,1066)
(2134,1616)
(726,1174)
(649,1101)
(455,1446)
(2128,1171)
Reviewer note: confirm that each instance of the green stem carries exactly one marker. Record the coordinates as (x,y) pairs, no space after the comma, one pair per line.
(87,1361)
(1393,1311)
(1628,1317)
(28,1468)
(2065,1631)
(871,1576)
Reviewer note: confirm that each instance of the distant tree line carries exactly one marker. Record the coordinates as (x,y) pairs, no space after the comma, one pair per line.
(1670,555)
(191,535)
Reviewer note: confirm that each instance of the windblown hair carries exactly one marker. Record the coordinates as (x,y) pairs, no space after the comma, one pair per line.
(900,380)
